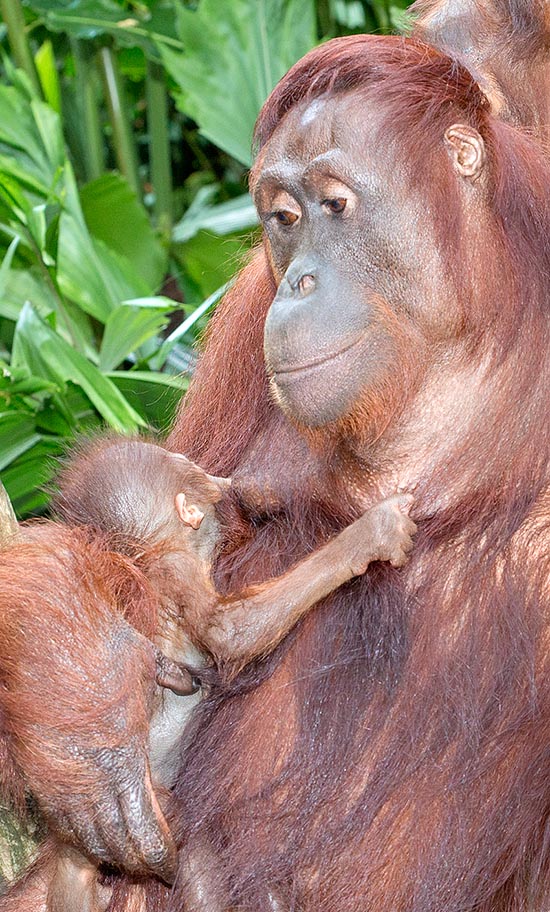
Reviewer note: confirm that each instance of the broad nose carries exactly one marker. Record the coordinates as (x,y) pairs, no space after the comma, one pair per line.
(300,278)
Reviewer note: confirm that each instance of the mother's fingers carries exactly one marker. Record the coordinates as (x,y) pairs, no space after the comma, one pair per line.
(150,836)
(118,821)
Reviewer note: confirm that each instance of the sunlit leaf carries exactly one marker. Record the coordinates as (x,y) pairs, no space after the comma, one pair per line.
(6,267)
(234,215)
(47,73)
(127,328)
(115,216)
(255,41)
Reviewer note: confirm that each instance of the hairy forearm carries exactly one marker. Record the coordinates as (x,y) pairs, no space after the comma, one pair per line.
(255,623)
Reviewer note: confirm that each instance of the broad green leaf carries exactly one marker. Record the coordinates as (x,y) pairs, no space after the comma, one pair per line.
(114,215)
(224,218)
(209,261)
(46,354)
(28,285)
(14,198)
(34,131)
(36,223)
(155,396)
(25,477)
(49,128)
(255,42)
(158,360)
(127,328)
(91,274)
(19,171)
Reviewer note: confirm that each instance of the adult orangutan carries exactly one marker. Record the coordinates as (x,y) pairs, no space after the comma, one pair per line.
(394,751)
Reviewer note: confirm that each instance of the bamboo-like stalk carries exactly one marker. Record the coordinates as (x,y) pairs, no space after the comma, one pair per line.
(123,140)
(159,144)
(86,75)
(13,16)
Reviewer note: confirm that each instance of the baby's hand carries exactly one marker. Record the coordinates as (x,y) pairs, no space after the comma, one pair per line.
(386,533)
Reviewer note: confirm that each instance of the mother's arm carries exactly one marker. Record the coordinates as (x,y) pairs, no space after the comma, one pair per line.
(76,685)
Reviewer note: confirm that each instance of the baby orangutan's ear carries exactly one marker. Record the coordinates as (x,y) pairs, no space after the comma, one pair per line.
(189,514)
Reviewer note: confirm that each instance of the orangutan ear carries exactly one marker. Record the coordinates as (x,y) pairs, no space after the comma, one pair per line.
(467,150)
(189,513)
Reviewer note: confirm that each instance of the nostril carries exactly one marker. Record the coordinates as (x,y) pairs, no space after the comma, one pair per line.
(306,284)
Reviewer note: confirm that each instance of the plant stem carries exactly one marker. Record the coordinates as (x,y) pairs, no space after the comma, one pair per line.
(122,134)
(61,305)
(159,144)
(87,98)
(13,16)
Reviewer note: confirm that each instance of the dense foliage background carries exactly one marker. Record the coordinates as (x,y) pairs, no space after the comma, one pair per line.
(125,139)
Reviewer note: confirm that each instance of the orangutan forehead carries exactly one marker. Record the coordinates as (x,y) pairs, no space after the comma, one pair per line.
(322,133)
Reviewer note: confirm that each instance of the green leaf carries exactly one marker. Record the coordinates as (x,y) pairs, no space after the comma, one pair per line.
(35,468)
(128,327)
(91,274)
(114,215)
(234,215)
(47,73)
(34,131)
(155,396)
(210,261)
(6,267)
(17,435)
(49,128)
(158,360)
(255,41)
(93,18)
(45,353)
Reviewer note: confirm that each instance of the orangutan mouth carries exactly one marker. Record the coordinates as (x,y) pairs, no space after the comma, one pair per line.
(318,362)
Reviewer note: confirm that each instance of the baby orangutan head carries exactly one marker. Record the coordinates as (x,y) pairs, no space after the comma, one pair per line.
(139,492)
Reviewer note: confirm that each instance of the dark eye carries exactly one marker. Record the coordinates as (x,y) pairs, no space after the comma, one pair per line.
(336,205)
(285,217)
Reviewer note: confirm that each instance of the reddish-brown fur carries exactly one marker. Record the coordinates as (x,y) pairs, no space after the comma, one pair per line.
(394,751)
(83,585)
(128,544)
(396,755)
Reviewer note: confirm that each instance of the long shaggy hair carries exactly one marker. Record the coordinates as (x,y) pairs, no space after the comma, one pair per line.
(394,752)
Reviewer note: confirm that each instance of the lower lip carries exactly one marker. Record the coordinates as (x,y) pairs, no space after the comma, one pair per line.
(319,362)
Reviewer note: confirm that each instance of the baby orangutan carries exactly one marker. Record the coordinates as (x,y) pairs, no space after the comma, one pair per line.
(157,512)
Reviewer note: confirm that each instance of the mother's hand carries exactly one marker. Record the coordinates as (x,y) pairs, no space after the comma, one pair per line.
(77,689)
